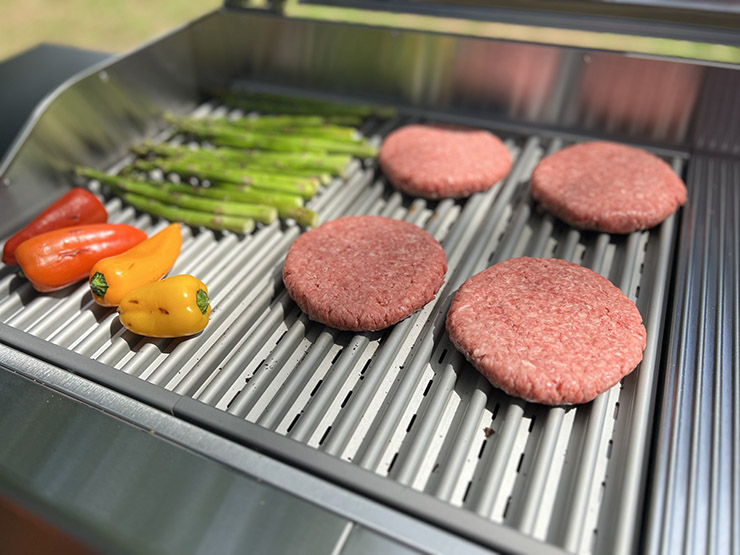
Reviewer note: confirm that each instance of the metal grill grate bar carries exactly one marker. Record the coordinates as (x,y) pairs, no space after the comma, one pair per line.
(384,360)
(595,427)
(440,396)
(545,453)
(412,369)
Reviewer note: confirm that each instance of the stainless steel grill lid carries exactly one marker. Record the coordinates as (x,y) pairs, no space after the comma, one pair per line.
(401,403)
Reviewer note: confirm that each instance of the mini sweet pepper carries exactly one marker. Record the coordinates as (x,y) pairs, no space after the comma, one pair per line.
(77,207)
(113,277)
(176,306)
(58,258)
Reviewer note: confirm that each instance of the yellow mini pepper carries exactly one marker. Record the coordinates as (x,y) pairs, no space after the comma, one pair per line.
(173,307)
(113,277)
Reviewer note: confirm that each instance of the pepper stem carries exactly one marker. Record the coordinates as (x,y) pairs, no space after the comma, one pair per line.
(98,285)
(202,300)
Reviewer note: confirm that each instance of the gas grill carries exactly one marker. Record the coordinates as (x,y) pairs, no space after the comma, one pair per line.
(393,431)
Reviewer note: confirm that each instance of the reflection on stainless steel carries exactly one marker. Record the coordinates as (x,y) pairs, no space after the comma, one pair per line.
(649,99)
(518,78)
(717,128)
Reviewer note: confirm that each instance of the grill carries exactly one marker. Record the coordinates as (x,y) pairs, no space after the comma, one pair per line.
(398,416)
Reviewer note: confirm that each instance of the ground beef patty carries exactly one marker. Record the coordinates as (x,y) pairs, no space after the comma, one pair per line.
(607,187)
(546,330)
(363,273)
(439,161)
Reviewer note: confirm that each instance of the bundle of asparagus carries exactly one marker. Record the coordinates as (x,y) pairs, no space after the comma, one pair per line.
(217,208)
(263,166)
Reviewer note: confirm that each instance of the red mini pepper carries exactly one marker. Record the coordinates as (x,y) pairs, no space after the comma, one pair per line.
(56,259)
(78,206)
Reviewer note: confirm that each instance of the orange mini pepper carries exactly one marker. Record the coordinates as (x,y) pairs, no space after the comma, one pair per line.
(113,277)
(56,259)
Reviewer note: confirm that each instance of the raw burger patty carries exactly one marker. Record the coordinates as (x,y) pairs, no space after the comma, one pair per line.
(363,273)
(437,161)
(546,330)
(607,187)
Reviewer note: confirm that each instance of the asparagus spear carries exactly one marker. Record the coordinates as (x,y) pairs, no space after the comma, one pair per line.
(300,120)
(247,139)
(335,164)
(204,159)
(258,212)
(291,115)
(269,127)
(287,206)
(304,187)
(218,222)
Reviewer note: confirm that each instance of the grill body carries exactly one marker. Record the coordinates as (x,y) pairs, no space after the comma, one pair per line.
(398,417)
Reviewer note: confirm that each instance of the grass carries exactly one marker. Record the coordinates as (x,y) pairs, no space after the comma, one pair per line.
(117,26)
(113,26)
(546,35)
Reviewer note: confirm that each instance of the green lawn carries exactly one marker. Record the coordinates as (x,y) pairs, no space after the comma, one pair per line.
(109,25)
(117,26)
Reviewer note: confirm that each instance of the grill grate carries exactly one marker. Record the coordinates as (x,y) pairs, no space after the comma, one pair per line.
(401,403)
